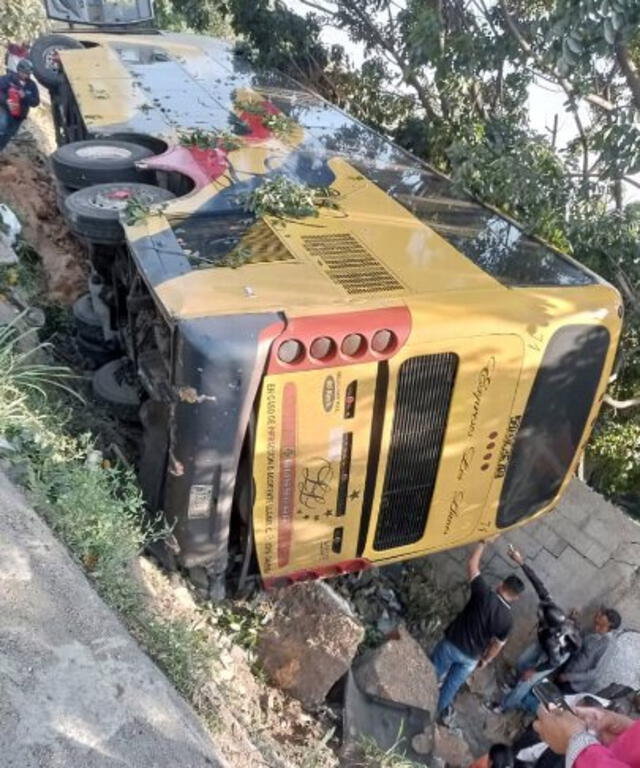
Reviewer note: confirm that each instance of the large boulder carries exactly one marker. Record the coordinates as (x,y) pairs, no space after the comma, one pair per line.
(399,671)
(310,643)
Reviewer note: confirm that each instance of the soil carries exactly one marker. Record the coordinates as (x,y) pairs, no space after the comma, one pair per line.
(27,187)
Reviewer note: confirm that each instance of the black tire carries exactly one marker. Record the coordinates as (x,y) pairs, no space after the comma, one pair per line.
(116,385)
(96,354)
(99,161)
(42,57)
(94,212)
(87,321)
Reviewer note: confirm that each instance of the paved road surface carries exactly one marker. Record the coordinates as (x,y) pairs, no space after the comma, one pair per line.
(75,689)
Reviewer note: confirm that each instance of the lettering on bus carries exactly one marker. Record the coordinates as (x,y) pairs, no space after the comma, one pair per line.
(329,393)
(507,446)
(482,385)
(455,508)
(269,511)
(465,462)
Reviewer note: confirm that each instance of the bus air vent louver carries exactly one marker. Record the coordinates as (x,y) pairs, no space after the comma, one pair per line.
(349,264)
(423,396)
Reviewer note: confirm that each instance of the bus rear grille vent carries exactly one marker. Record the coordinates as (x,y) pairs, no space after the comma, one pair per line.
(349,264)
(423,396)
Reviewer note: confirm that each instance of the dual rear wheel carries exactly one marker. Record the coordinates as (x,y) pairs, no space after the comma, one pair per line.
(97,180)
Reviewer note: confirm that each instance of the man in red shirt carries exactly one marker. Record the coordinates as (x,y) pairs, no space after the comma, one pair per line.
(18,93)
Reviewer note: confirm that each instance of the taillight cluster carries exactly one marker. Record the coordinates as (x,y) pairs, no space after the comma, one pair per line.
(343,338)
(351,346)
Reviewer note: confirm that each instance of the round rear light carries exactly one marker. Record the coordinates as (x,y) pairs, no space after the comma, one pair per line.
(290,351)
(321,347)
(353,344)
(383,341)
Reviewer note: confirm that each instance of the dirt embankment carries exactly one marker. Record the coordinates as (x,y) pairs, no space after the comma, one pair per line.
(27,187)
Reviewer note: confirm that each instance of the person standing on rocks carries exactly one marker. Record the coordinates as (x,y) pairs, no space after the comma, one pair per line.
(18,93)
(477,634)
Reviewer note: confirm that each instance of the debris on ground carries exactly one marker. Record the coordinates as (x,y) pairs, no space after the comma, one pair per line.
(375,725)
(310,643)
(406,593)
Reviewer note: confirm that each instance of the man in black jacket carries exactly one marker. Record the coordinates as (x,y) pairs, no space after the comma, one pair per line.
(558,638)
(18,93)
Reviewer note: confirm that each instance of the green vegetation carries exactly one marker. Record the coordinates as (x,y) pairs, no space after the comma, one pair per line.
(205,16)
(374,756)
(211,140)
(277,122)
(282,197)
(137,210)
(95,509)
(21,20)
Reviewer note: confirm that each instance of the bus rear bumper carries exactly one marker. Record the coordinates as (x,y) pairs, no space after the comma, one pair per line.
(217,370)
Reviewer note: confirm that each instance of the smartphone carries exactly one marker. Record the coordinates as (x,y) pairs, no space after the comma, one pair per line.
(550,696)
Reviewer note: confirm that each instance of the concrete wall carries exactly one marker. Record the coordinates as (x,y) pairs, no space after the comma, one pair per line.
(587,552)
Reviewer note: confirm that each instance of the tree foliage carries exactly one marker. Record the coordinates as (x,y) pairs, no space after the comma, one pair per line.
(20,20)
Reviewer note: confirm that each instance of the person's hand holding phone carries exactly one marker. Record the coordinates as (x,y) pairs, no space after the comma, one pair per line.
(605,724)
(556,727)
(515,555)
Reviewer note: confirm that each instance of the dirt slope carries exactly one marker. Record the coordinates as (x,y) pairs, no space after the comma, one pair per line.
(27,187)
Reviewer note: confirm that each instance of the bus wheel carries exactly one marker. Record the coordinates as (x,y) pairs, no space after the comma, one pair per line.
(94,212)
(99,161)
(116,384)
(87,321)
(45,60)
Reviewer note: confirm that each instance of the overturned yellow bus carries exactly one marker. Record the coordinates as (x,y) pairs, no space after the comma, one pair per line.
(395,373)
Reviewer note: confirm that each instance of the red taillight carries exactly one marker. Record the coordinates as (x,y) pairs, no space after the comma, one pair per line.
(383,341)
(322,348)
(291,351)
(343,338)
(353,345)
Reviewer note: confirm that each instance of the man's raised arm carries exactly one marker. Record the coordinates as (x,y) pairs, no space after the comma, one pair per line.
(473,566)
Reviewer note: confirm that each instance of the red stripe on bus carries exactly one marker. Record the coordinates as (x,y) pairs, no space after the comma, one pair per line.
(319,572)
(286,495)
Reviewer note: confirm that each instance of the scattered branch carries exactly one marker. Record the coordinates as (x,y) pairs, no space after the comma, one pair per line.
(621,405)
(629,70)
